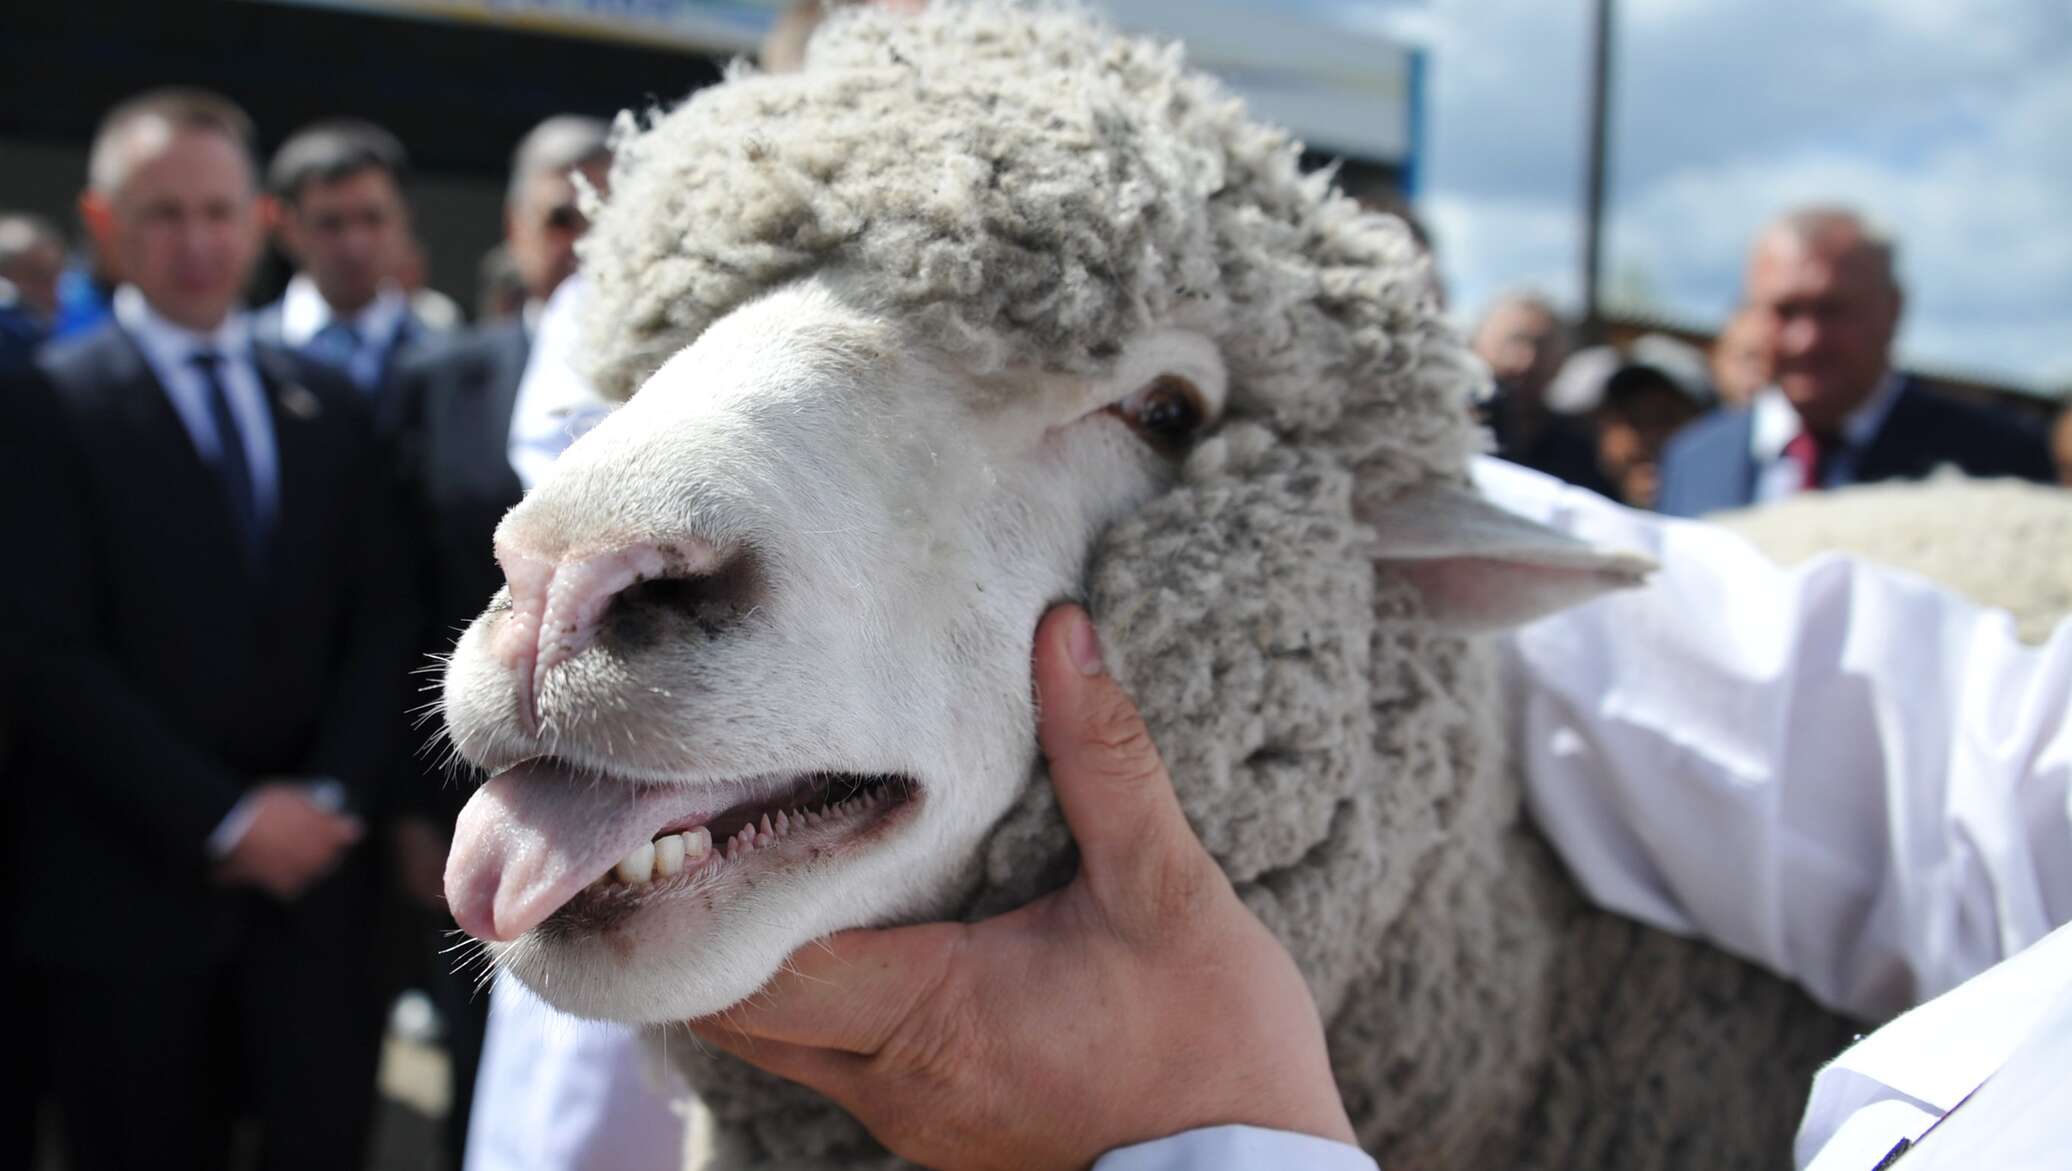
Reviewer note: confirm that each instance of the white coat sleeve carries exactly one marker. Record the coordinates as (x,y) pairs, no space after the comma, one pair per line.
(560,1094)
(1839,771)
(556,404)
(1236,1148)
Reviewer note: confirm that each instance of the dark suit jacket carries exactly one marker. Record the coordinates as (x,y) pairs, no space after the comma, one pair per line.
(170,677)
(453,410)
(1707,467)
(20,337)
(412,339)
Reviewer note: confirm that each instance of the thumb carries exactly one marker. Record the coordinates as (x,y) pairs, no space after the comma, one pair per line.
(1134,843)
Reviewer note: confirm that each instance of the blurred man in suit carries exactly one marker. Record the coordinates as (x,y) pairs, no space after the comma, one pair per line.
(1825,296)
(36,514)
(343,219)
(2061,444)
(1524,341)
(211,696)
(454,403)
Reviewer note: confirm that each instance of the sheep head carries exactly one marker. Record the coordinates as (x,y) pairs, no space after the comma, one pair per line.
(909,332)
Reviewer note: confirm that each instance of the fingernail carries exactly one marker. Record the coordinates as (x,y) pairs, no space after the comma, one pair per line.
(1083,645)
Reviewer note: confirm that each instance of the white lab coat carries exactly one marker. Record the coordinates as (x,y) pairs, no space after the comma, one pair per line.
(1841,772)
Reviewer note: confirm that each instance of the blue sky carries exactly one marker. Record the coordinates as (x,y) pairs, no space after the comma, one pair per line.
(1949,121)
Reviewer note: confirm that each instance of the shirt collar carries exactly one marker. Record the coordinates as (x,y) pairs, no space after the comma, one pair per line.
(170,345)
(1775,424)
(304,311)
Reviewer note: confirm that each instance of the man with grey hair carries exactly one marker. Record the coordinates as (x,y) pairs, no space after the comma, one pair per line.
(543,214)
(209,704)
(32,255)
(455,405)
(1824,296)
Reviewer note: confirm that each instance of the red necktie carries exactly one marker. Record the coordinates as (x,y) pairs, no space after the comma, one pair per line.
(1811,452)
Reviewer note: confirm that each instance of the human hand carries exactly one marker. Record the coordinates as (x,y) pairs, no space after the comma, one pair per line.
(1140,1001)
(292,841)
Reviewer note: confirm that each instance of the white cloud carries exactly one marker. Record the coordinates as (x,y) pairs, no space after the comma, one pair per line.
(1491,244)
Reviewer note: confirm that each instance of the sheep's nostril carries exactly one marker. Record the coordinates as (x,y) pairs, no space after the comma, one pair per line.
(559,607)
(657,609)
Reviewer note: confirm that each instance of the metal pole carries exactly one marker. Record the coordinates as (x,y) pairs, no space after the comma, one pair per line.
(1592,326)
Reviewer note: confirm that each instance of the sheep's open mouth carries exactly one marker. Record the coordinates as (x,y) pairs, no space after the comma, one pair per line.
(803,821)
(548,844)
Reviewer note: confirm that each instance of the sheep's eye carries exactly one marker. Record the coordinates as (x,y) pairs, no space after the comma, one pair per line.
(1167,412)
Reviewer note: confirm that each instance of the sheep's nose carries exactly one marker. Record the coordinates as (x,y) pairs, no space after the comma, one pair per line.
(558,606)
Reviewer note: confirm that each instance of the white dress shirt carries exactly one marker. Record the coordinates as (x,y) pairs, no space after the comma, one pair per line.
(556,403)
(305,313)
(1775,423)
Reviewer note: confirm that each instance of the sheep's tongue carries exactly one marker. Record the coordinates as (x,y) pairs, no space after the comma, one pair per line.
(529,841)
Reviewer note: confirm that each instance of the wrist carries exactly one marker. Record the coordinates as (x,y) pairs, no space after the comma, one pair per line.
(230,831)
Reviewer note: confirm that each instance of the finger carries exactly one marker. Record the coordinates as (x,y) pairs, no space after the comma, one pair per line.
(849,992)
(1110,782)
(829,1071)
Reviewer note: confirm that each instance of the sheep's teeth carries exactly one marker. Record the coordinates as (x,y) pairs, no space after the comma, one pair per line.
(669,854)
(696,844)
(638,866)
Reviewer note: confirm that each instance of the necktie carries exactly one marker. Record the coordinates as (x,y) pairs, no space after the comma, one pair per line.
(232,468)
(1812,452)
(337,344)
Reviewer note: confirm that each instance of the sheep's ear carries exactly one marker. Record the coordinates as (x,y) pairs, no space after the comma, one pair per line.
(1481,568)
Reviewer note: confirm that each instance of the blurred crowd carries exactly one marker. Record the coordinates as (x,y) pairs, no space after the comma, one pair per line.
(1799,391)
(228,809)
